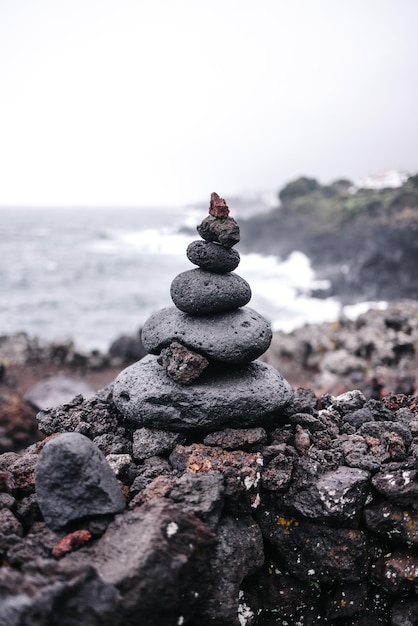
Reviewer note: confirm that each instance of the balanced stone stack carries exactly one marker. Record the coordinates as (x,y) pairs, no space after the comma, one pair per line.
(201,373)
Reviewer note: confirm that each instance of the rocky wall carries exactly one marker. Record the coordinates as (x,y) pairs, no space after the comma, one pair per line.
(310,519)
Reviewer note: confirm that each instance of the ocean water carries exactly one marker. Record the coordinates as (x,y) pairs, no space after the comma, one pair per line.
(94,274)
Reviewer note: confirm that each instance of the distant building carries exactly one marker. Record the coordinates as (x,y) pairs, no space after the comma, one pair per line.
(383,180)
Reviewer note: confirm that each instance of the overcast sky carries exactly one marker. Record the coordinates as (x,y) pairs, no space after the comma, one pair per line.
(138,102)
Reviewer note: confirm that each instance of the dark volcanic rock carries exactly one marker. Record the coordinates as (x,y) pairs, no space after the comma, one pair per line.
(150,442)
(224,231)
(200,292)
(337,494)
(313,552)
(181,364)
(48,593)
(73,481)
(233,337)
(399,486)
(153,556)
(234,398)
(212,256)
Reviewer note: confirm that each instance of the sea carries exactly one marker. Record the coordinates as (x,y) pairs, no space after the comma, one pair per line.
(91,275)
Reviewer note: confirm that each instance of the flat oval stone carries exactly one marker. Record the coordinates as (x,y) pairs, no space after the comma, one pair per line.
(197,291)
(233,337)
(73,480)
(228,397)
(225,231)
(212,256)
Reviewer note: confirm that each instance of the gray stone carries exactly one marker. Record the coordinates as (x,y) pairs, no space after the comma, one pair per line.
(233,337)
(212,256)
(239,541)
(225,397)
(151,442)
(200,292)
(201,494)
(73,480)
(224,231)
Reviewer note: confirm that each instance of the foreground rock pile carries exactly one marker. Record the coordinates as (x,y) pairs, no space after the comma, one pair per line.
(305,513)
(311,520)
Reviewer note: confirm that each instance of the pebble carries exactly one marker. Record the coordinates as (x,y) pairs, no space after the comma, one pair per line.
(199,292)
(224,231)
(213,257)
(224,398)
(234,337)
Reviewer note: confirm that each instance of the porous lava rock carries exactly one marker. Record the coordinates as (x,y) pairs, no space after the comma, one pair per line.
(213,257)
(225,397)
(201,292)
(235,337)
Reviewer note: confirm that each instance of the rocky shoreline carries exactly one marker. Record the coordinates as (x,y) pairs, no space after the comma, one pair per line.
(199,486)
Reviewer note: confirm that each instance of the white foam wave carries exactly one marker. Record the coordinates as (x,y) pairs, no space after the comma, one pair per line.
(149,241)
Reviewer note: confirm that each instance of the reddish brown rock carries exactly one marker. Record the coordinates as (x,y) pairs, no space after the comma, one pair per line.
(181,364)
(71,542)
(218,207)
(241,470)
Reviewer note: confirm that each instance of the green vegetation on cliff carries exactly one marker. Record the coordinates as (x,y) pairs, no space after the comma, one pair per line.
(340,201)
(364,241)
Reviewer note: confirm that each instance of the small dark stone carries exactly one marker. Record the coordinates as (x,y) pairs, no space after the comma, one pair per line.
(213,257)
(200,292)
(150,442)
(359,417)
(224,231)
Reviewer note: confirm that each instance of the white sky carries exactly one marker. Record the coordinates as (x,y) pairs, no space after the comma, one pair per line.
(138,102)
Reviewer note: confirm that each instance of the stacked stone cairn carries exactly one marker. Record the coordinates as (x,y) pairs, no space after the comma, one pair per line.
(201,373)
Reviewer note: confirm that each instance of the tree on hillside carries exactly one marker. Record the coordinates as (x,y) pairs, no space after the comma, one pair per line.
(299,187)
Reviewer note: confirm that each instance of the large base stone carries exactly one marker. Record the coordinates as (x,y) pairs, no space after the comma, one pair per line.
(224,398)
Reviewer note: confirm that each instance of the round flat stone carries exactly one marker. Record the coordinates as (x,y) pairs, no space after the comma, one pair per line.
(213,257)
(233,337)
(73,480)
(197,291)
(227,397)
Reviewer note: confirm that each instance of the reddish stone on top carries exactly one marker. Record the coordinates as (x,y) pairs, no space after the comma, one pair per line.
(218,207)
